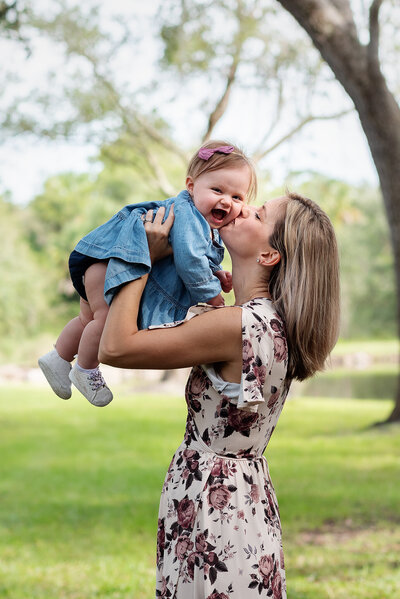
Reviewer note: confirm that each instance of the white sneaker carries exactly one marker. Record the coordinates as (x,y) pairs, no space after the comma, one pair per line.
(56,370)
(92,386)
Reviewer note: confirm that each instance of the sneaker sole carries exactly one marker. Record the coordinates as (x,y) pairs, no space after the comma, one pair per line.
(49,374)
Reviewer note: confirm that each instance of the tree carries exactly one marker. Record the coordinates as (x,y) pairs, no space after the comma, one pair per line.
(88,99)
(226,46)
(332,27)
(24,289)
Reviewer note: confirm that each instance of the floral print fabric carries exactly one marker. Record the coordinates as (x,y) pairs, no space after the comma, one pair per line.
(219,533)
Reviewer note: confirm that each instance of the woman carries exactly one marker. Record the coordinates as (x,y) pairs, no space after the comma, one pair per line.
(219,532)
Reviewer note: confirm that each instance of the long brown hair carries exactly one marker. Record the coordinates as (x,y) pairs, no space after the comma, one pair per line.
(304,285)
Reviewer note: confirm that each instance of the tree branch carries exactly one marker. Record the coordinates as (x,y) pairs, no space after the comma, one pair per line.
(258,156)
(238,42)
(161,180)
(144,124)
(335,36)
(222,104)
(273,121)
(373,46)
(156,136)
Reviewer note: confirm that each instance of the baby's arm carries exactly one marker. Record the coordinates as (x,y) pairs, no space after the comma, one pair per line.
(225,278)
(218,300)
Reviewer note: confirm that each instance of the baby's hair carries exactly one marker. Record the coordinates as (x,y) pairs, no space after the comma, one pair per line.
(236,158)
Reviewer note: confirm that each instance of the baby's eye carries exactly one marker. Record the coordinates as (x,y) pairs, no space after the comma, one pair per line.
(257,216)
(217,189)
(237,198)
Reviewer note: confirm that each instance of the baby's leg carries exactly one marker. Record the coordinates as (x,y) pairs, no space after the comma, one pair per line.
(90,338)
(55,364)
(81,336)
(68,342)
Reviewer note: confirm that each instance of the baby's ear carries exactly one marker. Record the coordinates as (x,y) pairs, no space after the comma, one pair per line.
(189,184)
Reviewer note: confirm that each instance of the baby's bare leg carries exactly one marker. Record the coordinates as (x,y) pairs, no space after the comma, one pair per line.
(90,338)
(68,342)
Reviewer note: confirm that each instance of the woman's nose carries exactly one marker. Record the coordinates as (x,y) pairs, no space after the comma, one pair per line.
(246,211)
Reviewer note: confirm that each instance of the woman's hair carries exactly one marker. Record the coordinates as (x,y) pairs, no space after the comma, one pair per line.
(236,158)
(304,285)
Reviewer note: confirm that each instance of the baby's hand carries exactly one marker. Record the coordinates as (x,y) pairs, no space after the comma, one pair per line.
(225,278)
(218,300)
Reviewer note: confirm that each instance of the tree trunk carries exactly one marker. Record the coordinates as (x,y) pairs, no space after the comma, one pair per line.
(331,27)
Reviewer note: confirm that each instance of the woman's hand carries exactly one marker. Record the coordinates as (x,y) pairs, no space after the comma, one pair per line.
(157,233)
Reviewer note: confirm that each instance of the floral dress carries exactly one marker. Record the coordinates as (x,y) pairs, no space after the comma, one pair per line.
(219,532)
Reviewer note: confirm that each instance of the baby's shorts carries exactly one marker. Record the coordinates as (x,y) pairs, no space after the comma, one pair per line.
(78,264)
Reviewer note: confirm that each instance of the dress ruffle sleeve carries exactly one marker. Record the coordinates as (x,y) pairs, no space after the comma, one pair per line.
(264,351)
(264,345)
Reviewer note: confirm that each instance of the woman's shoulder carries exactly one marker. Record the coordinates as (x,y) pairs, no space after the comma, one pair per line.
(261,306)
(263,334)
(261,310)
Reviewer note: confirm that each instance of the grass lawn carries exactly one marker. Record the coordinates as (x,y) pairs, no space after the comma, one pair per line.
(79,491)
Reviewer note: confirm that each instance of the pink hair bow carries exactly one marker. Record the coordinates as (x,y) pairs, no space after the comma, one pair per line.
(206,153)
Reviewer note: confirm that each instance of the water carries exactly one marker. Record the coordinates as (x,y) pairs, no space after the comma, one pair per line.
(355,385)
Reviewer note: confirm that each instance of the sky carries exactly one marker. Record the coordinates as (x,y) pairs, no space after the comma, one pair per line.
(334,148)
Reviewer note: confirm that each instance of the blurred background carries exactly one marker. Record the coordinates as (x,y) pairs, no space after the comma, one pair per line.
(102,105)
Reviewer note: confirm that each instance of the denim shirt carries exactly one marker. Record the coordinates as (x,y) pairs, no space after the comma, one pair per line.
(176,282)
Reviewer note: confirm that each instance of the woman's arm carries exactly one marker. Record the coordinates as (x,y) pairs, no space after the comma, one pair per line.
(211,337)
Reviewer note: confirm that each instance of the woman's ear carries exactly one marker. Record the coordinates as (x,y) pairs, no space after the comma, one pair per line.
(189,185)
(270,258)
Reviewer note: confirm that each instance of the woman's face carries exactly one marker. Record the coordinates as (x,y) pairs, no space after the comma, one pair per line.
(248,234)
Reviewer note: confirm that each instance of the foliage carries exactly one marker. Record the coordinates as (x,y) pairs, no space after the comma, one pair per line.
(44,233)
(12,15)
(223,47)
(80,490)
(24,294)
(210,54)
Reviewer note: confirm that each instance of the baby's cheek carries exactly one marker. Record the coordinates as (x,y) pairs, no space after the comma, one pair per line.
(236,209)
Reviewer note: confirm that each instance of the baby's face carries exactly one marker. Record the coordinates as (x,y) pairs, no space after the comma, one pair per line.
(219,195)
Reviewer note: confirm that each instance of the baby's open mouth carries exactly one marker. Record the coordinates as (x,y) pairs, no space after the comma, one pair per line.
(219,214)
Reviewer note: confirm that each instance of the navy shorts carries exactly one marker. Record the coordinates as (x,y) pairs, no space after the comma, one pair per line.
(78,265)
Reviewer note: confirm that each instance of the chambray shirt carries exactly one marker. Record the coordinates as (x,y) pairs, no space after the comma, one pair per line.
(176,282)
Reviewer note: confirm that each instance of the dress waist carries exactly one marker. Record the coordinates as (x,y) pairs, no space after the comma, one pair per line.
(195,442)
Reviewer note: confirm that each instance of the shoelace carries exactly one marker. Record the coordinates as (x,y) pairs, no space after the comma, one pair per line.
(96,380)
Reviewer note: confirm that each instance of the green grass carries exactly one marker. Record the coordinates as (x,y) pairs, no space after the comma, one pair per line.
(79,491)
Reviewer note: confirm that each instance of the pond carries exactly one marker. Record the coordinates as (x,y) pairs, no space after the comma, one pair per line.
(373,384)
